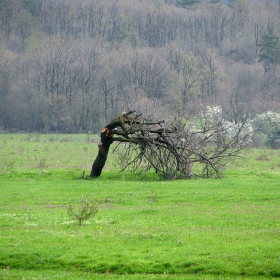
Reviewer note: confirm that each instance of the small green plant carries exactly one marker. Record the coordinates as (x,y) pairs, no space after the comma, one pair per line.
(83,210)
(153,197)
(41,163)
(10,163)
(88,135)
(37,137)
(53,138)
(263,156)
(29,136)
(66,139)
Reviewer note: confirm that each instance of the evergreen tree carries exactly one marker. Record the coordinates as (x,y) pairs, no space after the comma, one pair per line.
(215,1)
(269,52)
(232,3)
(239,6)
(188,3)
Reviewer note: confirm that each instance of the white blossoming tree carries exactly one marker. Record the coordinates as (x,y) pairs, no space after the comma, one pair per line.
(241,132)
(268,125)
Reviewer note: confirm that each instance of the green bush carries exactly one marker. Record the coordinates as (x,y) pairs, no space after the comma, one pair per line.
(83,210)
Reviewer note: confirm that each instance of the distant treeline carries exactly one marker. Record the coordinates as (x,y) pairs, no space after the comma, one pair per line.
(72,66)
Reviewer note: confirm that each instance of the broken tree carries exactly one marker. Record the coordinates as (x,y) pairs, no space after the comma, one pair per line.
(173,150)
(130,128)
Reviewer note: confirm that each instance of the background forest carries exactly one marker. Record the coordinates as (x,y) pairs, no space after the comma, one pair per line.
(73,65)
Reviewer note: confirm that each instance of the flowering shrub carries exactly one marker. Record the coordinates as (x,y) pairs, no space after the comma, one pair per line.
(213,116)
(268,124)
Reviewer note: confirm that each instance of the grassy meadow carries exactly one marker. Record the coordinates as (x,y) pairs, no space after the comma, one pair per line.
(225,228)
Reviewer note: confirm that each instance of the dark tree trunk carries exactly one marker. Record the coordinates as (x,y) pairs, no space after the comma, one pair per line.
(107,139)
(99,161)
(103,149)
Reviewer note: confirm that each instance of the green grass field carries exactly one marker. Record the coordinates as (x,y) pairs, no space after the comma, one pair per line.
(225,228)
